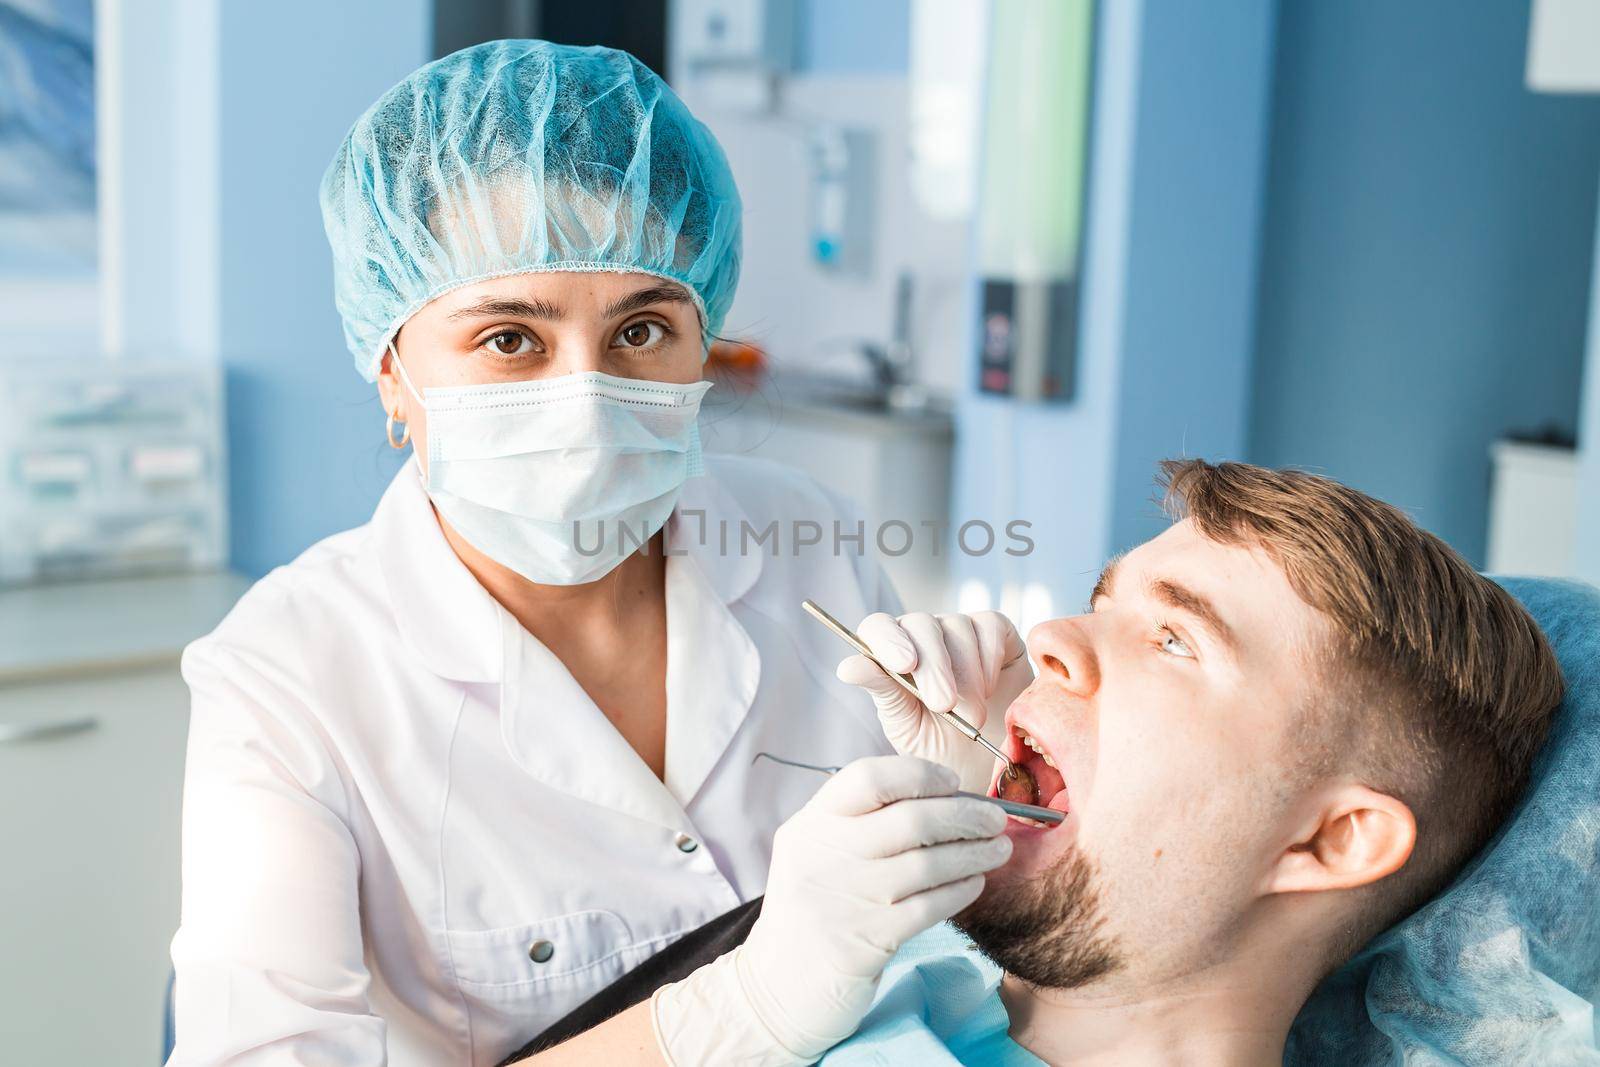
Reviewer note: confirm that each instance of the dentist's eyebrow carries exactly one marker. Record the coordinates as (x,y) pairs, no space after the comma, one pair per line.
(510,308)
(1102,585)
(1184,599)
(643,298)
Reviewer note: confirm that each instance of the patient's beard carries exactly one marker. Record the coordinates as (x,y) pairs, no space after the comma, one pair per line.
(1046,931)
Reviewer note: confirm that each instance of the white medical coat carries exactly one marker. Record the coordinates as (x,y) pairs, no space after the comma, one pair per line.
(410,837)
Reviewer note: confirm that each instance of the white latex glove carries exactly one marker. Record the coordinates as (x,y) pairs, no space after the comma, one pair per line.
(976,664)
(881,853)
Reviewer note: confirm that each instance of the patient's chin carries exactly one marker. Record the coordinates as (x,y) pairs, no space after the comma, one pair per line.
(1047,931)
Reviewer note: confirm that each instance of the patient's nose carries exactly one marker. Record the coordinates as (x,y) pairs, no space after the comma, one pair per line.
(1065,655)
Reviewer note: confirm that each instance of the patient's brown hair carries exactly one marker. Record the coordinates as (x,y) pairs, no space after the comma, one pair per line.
(1440,688)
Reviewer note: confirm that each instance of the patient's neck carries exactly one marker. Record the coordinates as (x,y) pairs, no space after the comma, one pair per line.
(1237,1013)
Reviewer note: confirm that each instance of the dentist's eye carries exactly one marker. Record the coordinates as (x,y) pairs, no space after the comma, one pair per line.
(646,333)
(1174,645)
(509,343)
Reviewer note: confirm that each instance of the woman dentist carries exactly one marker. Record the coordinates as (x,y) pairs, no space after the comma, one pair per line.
(455,771)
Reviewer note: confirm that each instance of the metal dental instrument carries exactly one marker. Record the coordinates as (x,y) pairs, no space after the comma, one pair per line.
(850,638)
(1022,811)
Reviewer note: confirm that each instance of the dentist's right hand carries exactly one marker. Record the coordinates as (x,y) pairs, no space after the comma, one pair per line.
(881,853)
(973,664)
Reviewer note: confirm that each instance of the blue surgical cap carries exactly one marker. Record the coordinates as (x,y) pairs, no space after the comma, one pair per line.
(523,156)
(1504,966)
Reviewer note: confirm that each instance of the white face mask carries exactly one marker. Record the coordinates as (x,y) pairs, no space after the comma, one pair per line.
(560,479)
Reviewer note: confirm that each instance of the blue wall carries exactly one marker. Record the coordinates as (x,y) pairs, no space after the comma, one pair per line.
(1189,319)
(305,431)
(1425,265)
(851,37)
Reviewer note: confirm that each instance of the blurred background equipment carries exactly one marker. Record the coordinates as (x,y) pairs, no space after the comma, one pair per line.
(736,50)
(635,26)
(1035,170)
(1561,47)
(841,197)
(1533,505)
(110,470)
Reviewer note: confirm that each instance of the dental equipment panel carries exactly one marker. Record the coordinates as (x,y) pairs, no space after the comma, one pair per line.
(1020,780)
(1030,216)
(109,470)
(1049,816)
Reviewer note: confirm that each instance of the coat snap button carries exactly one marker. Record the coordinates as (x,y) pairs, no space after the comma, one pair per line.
(541,951)
(686,843)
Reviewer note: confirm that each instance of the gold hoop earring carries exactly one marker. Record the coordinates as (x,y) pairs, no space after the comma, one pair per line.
(388,431)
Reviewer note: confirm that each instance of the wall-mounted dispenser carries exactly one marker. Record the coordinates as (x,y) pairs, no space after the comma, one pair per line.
(843,179)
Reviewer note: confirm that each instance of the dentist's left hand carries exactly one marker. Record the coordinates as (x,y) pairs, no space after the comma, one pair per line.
(975,664)
(881,853)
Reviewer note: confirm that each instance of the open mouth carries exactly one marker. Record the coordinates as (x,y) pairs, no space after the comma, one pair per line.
(1032,757)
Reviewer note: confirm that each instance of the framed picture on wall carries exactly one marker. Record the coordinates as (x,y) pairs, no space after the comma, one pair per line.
(48,226)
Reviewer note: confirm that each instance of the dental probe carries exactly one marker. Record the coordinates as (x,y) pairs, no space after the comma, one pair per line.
(860,646)
(1010,807)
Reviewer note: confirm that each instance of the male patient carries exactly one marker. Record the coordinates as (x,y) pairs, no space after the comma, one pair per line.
(1284,724)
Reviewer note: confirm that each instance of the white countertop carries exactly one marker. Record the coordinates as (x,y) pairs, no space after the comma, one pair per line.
(73,628)
(783,399)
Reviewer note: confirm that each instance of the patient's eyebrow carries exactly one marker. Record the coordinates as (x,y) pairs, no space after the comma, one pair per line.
(1102,585)
(643,298)
(510,308)
(1184,599)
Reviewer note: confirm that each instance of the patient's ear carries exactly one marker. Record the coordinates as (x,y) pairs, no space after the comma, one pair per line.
(1357,836)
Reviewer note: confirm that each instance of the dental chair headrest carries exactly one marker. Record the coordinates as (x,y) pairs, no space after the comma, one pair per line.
(1504,966)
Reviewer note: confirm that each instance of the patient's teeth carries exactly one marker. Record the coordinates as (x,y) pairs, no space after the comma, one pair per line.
(1034,745)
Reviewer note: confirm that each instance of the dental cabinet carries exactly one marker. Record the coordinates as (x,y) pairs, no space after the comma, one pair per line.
(893,463)
(1533,509)
(93,720)
(110,469)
